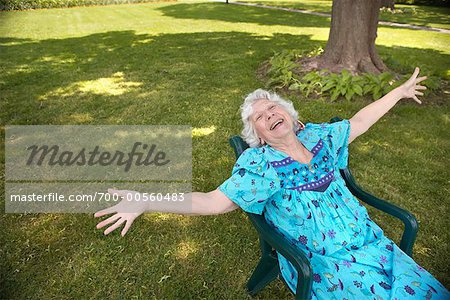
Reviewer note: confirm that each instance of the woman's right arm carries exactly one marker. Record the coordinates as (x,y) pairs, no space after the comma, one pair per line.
(212,203)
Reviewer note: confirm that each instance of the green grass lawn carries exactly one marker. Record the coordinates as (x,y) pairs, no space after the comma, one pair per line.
(410,14)
(192,63)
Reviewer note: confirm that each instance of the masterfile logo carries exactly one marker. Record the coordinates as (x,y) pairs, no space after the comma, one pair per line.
(52,155)
(69,168)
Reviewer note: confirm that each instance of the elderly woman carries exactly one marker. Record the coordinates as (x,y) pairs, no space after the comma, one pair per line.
(290,174)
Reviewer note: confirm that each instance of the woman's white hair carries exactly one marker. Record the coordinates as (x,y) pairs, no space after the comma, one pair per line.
(248,133)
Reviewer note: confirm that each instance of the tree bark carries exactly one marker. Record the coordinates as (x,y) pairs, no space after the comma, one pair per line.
(351,43)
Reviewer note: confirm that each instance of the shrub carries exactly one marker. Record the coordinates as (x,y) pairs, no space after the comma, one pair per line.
(344,84)
(285,73)
(34,4)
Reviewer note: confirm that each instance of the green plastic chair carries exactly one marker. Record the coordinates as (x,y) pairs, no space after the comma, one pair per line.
(270,240)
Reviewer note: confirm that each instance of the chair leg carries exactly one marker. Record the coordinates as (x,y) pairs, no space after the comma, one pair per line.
(265,272)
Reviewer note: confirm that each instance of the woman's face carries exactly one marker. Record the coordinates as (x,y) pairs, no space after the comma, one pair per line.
(271,122)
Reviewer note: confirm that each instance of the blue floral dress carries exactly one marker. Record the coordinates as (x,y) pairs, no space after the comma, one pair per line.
(311,206)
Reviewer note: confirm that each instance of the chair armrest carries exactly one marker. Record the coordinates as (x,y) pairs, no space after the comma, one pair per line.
(293,254)
(411,225)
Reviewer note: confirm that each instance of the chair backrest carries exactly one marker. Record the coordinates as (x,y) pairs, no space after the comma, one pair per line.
(238,145)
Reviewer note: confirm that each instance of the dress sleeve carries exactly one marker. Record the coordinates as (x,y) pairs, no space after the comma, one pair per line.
(336,135)
(253,181)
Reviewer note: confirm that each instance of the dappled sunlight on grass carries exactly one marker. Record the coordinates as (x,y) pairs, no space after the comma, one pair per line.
(113,86)
(21,69)
(411,14)
(203,131)
(382,144)
(418,141)
(80,118)
(363,148)
(172,219)
(12,43)
(250,52)
(139,42)
(161,217)
(185,249)
(422,250)
(43,219)
(56,60)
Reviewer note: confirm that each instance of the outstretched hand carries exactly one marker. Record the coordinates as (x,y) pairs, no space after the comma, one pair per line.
(125,212)
(410,89)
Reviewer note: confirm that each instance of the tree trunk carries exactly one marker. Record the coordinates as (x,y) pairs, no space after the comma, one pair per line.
(388,4)
(351,43)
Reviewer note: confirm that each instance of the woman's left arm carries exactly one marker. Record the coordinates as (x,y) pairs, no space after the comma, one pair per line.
(370,114)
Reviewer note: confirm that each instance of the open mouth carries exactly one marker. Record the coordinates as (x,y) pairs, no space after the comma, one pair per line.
(276,124)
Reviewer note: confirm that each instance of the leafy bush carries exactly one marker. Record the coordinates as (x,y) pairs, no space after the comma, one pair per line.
(378,85)
(33,4)
(281,65)
(344,84)
(280,70)
(283,73)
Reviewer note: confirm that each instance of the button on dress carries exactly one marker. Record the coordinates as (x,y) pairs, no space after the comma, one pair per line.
(312,207)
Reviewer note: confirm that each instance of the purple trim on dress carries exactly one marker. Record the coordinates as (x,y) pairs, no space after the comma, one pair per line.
(282,163)
(288,160)
(316,184)
(317,148)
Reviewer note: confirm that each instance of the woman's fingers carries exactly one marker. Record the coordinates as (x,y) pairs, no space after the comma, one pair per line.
(115,226)
(126,227)
(107,221)
(111,209)
(119,221)
(416,72)
(418,93)
(121,215)
(417,100)
(420,87)
(421,79)
(105,211)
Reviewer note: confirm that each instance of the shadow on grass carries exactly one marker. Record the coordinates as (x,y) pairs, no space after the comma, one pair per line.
(243,14)
(246,14)
(419,15)
(51,81)
(323,7)
(182,79)
(123,77)
(6,41)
